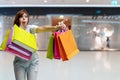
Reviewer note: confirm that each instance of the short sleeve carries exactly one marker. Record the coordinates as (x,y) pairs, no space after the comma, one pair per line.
(32,28)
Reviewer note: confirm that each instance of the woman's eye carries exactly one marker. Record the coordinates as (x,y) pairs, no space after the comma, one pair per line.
(26,16)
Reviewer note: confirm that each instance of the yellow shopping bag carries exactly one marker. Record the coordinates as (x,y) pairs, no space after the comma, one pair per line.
(5,40)
(24,39)
(67,45)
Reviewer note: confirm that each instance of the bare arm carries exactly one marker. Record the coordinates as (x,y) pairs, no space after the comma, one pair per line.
(47,28)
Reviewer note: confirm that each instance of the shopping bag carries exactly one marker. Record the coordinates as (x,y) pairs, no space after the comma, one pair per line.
(24,39)
(16,47)
(56,48)
(4,42)
(16,53)
(62,50)
(50,48)
(67,45)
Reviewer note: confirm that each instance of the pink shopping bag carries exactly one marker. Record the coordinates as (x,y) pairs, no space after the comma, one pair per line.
(16,53)
(56,49)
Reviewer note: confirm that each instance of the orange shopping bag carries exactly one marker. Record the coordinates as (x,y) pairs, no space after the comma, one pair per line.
(67,45)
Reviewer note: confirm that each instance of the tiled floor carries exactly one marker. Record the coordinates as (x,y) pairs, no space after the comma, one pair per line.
(87,65)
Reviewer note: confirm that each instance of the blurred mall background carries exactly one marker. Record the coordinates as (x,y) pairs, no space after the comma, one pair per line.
(96,28)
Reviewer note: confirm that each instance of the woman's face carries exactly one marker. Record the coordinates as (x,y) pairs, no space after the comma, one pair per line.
(23,20)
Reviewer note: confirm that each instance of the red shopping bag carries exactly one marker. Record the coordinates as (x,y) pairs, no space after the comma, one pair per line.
(16,53)
(56,47)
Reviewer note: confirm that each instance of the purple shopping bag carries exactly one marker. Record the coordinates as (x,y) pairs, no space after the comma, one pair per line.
(16,53)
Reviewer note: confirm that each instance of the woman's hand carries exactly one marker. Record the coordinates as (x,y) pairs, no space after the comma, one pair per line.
(58,27)
(62,26)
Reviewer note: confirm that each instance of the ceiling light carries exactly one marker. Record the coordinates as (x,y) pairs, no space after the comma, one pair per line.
(61,16)
(87,1)
(45,1)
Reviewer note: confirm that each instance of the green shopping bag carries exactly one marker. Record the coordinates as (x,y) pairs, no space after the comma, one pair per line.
(5,40)
(50,52)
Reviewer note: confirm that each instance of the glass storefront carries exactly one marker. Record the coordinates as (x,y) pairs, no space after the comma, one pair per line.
(90,32)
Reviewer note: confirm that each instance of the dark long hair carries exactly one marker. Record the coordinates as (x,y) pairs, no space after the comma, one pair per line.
(19,15)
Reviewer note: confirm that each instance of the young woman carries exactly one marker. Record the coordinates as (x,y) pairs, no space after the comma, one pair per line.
(28,69)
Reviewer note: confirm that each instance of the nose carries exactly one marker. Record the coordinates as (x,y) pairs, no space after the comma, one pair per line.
(23,17)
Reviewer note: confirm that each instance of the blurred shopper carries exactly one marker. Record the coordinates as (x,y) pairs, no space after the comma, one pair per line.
(108,42)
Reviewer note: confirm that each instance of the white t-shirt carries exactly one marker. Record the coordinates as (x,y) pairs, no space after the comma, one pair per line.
(31,28)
